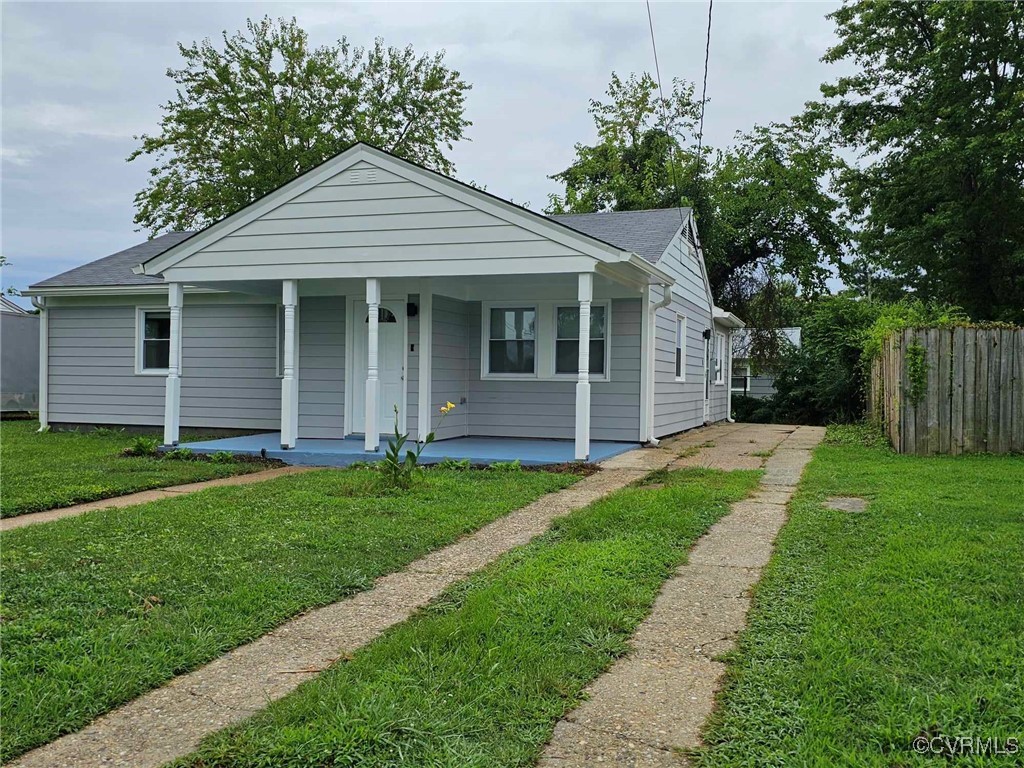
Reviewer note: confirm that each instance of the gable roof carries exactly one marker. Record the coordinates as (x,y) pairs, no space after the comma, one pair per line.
(116,269)
(9,307)
(645,233)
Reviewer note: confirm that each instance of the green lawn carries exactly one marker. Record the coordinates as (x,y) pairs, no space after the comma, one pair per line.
(57,469)
(872,629)
(481,676)
(100,608)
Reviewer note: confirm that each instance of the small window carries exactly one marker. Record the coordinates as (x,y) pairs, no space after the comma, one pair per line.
(680,348)
(156,340)
(512,340)
(567,339)
(719,358)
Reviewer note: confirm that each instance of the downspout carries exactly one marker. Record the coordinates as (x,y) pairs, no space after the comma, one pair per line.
(728,381)
(652,324)
(44,363)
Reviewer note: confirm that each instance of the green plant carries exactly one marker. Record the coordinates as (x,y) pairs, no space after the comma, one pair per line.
(453,464)
(107,431)
(917,372)
(507,466)
(141,445)
(180,454)
(397,473)
(222,457)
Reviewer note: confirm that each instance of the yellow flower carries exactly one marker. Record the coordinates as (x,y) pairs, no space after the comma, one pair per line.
(450,405)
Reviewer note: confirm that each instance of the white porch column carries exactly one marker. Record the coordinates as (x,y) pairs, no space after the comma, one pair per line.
(289,385)
(172,391)
(425,412)
(586,294)
(372,374)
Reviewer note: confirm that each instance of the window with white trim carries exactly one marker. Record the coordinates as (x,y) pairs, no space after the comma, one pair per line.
(567,339)
(154,350)
(680,358)
(512,341)
(719,358)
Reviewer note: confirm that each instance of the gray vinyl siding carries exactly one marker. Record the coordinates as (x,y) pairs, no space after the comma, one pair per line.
(547,408)
(680,405)
(367,215)
(452,341)
(321,367)
(229,367)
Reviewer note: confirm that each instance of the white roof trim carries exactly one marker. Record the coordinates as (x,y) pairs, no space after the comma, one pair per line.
(728,319)
(488,203)
(112,290)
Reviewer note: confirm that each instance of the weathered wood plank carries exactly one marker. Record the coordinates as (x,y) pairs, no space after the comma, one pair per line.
(981,393)
(992,426)
(956,414)
(1017,424)
(931,391)
(1005,389)
(970,442)
(943,339)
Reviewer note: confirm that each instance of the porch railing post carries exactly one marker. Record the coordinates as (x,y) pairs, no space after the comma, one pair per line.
(172,390)
(372,373)
(586,295)
(289,384)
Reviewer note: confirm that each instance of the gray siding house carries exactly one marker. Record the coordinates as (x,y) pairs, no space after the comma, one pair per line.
(369,284)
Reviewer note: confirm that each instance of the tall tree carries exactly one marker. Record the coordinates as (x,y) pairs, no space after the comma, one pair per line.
(935,109)
(266,107)
(767,218)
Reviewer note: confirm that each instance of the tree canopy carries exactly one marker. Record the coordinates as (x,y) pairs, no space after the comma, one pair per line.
(935,112)
(264,107)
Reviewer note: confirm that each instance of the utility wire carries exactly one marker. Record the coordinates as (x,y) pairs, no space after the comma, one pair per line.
(664,119)
(704,90)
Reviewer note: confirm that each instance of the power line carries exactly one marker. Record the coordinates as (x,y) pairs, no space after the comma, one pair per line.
(664,118)
(704,90)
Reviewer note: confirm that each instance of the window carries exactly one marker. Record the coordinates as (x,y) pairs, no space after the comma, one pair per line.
(154,350)
(384,315)
(567,339)
(741,379)
(680,348)
(719,358)
(512,341)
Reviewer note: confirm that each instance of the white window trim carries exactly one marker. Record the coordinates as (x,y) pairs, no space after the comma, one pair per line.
(607,340)
(719,359)
(485,339)
(680,318)
(140,323)
(544,344)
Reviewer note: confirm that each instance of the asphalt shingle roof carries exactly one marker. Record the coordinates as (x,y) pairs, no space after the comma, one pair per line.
(646,233)
(116,269)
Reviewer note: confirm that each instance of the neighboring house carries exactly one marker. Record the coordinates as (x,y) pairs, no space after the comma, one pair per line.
(19,357)
(746,379)
(369,283)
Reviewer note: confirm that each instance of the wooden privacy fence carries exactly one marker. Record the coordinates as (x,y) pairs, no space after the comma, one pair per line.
(951,390)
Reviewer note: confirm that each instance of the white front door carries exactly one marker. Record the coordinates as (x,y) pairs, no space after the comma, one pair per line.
(391,361)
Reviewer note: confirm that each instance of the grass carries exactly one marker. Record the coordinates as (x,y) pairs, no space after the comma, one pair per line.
(481,676)
(100,608)
(872,629)
(57,469)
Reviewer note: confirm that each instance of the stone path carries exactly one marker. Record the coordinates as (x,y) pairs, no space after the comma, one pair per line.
(169,722)
(143,497)
(650,707)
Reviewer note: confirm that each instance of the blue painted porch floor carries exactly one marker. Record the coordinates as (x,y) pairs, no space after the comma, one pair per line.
(341,453)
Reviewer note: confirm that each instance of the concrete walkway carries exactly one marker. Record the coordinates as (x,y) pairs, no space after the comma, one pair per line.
(169,722)
(650,707)
(142,497)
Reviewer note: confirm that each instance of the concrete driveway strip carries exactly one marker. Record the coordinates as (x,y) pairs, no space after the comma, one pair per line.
(143,497)
(650,707)
(169,722)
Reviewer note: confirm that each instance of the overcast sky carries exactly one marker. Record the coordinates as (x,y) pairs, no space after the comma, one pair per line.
(80,80)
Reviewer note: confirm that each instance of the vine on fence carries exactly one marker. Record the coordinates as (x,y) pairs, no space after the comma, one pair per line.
(917,372)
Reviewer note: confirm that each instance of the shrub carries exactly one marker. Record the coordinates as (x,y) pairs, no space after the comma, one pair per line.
(180,454)
(507,466)
(453,464)
(142,445)
(397,473)
(222,457)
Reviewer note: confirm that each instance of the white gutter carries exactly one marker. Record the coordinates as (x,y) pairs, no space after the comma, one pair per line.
(44,363)
(648,356)
(110,290)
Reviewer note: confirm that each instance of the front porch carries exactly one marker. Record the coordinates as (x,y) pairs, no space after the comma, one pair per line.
(478,450)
